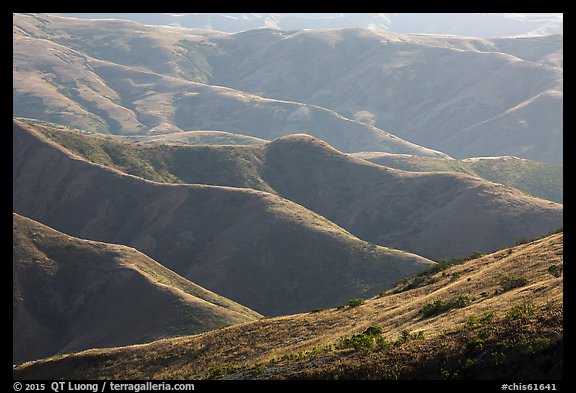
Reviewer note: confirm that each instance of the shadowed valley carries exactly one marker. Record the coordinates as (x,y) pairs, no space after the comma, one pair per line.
(253,247)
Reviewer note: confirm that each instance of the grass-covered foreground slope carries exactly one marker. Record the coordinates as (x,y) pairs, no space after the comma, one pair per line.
(495,317)
(437,215)
(540,179)
(71,294)
(258,249)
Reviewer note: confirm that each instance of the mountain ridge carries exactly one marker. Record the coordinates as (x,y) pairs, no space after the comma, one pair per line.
(72,294)
(200,231)
(82,88)
(350,192)
(535,178)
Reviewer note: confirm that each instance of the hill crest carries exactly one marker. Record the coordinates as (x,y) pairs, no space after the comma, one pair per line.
(71,294)
(239,243)
(350,191)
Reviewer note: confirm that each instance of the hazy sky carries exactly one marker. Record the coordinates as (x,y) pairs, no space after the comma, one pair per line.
(469,24)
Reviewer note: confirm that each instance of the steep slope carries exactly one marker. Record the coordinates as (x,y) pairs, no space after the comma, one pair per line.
(505,323)
(255,248)
(539,179)
(65,72)
(71,294)
(437,215)
(436,91)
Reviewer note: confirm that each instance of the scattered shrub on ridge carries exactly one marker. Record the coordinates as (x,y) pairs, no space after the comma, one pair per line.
(440,306)
(510,282)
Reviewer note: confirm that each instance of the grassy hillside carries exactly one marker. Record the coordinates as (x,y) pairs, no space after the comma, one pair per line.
(495,317)
(539,179)
(185,138)
(452,94)
(122,78)
(256,248)
(71,294)
(188,138)
(437,215)
(464,96)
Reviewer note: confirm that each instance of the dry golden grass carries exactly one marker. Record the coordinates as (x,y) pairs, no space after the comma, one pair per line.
(307,345)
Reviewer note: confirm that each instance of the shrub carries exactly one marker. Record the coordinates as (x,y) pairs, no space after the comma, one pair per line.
(355,302)
(521,312)
(406,336)
(476,345)
(435,308)
(367,341)
(510,282)
(440,306)
(555,270)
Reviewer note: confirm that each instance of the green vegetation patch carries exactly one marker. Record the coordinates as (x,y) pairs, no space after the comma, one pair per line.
(510,282)
(368,341)
(521,312)
(440,306)
(352,303)
(372,340)
(425,277)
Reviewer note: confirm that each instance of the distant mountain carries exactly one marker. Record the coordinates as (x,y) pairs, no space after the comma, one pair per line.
(498,317)
(253,247)
(74,80)
(437,215)
(466,97)
(71,294)
(463,96)
(539,179)
(468,24)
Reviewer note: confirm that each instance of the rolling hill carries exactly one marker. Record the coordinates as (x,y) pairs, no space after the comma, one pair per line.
(71,294)
(436,215)
(198,204)
(539,179)
(498,317)
(129,79)
(253,247)
(463,96)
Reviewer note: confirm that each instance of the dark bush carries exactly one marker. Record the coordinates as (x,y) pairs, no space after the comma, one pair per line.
(440,306)
(510,282)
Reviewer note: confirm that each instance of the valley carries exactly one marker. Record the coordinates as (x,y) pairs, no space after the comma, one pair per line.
(244,197)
